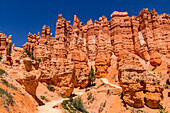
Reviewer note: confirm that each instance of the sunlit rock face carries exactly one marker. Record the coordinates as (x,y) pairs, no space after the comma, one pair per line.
(146,36)
(140,35)
(139,86)
(4,44)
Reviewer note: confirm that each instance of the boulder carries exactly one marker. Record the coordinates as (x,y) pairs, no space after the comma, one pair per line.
(155,59)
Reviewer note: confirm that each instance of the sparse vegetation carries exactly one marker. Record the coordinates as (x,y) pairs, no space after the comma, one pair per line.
(154,68)
(7,97)
(33,58)
(43,98)
(120,94)
(100,85)
(74,105)
(137,111)
(39,60)
(102,105)
(2,72)
(162,109)
(50,88)
(7,84)
(114,76)
(31,55)
(92,76)
(87,90)
(28,52)
(9,49)
(89,96)
(62,96)
(0,57)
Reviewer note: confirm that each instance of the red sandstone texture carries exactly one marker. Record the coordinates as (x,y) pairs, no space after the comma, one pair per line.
(126,50)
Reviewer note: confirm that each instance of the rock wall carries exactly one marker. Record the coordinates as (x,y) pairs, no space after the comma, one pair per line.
(140,35)
(5,44)
(139,86)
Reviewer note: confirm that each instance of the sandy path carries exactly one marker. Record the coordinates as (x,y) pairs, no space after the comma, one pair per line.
(48,107)
(105,80)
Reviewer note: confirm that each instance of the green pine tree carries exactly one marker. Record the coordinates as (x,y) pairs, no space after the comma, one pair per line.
(92,76)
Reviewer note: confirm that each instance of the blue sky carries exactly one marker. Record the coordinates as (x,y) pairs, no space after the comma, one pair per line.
(19,17)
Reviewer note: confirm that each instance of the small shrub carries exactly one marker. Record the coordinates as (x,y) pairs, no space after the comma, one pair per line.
(87,90)
(153,68)
(89,96)
(64,105)
(78,104)
(74,105)
(92,76)
(39,60)
(43,98)
(9,49)
(28,52)
(2,72)
(50,88)
(162,109)
(0,57)
(63,96)
(120,94)
(33,58)
(114,76)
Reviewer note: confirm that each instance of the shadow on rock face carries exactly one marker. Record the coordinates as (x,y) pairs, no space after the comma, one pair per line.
(40,103)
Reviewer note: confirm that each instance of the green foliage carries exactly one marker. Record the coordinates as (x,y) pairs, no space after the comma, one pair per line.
(87,90)
(114,76)
(33,58)
(7,97)
(28,52)
(0,57)
(8,85)
(9,49)
(120,94)
(43,98)
(63,96)
(153,68)
(39,60)
(74,105)
(2,72)
(89,96)
(162,109)
(100,85)
(50,88)
(92,76)
(64,105)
